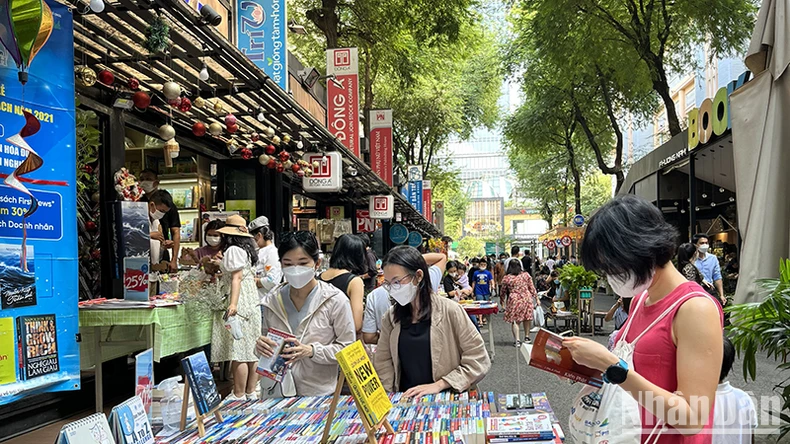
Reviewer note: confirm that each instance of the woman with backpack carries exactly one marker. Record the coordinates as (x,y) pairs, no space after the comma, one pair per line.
(667,357)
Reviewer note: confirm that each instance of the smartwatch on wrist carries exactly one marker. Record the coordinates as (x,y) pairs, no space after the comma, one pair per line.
(616,374)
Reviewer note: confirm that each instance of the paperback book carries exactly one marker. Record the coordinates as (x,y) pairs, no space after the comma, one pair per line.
(364,382)
(274,367)
(38,345)
(201,382)
(547,353)
(532,427)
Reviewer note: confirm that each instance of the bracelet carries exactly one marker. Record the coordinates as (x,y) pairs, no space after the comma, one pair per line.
(312,351)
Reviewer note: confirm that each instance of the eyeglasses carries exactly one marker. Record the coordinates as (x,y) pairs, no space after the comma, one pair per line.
(301,236)
(396,283)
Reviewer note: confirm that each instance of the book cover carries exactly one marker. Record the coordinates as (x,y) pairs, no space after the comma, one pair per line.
(38,345)
(536,425)
(7,351)
(201,382)
(274,367)
(547,353)
(364,382)
(511,402)
(17,276)
(130,423)
(91,430)
(144,377)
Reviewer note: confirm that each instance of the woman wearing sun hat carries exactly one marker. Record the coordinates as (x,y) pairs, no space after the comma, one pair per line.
(239,257)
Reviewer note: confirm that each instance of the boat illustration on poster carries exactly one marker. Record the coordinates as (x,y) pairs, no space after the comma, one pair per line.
(17,279)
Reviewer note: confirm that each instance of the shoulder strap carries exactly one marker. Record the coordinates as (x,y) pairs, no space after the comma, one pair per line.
(634,309)
(669,310)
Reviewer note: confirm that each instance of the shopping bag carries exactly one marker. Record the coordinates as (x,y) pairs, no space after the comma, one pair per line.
(538,318)
(273,389)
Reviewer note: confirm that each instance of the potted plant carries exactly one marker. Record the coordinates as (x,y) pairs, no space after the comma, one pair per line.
(574,277)
(764,327)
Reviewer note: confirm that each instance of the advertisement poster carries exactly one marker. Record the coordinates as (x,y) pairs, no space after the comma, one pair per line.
(364,223)
(261,35)
(342,102)
(427,193)
(415,195)
(38,232)
(381,143)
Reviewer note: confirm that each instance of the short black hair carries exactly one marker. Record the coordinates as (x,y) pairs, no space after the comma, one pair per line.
(628,236)
(291,240)
(411,259)
(727,359)
(685,253)
(215,224)
(451,264)
(475,260)
(696,238)
(514,250)
(150,170)
(365,239)
(264,231)
(161,197)
(349,254)
(514,268)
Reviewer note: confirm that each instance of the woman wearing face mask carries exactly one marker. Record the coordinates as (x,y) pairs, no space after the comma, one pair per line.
(269,273)
(213,242)
(427,344)
(687,257)
(674,326)
(238,274)
(452,284)
(556,292)
(158,206)
(315,312)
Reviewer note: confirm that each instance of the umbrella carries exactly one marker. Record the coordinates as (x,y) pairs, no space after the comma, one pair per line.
(761,151)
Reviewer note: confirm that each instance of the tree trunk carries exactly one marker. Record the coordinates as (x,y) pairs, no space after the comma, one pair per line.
(577,180)
(661,86)
(327,20)
(368,79)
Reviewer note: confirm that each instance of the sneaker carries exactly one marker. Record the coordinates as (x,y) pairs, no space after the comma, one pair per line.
(252,396)
(527,341)
(517,344)
(233,397)
(534,330)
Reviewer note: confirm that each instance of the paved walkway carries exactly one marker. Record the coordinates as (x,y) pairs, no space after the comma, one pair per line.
(503,377)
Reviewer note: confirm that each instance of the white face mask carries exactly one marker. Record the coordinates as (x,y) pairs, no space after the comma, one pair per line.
(704,248)
(298,276)
(627,288)
(156,215)
(213,241)
(405,294)
(147,185)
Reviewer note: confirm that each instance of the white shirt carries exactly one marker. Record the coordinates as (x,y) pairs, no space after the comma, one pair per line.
(268,269)
(550,264)
(734,416)
(376,306)
(436,277)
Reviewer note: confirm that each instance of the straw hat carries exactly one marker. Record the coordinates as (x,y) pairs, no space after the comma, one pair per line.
(235,226)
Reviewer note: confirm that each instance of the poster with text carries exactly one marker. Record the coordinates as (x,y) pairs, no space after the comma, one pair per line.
(342,94)
(381,143)
(38,220)
(261,36)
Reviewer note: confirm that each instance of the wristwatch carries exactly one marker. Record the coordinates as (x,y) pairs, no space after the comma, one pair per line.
(616,374)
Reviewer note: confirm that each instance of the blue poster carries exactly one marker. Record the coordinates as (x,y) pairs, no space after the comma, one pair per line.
(38,216)
(261,35)
(415,195)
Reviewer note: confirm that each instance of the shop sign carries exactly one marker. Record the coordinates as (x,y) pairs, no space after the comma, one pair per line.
(415,195)
(381,207)
(415,239)
(261,36)
(673,158)
(399,234)
(381,143)
(578,220)
(328,177)
(343,96)
(427,193)
(713,115)
(414,173)
(364,223)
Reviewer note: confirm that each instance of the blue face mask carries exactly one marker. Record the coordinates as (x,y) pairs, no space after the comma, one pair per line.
(557,281)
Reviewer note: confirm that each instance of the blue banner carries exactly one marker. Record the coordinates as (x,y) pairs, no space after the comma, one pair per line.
(261,30)
(415,195)
(38,220)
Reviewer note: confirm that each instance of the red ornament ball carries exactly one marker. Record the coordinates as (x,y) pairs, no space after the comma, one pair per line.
(90,225)
(185,105)
(295,168)
(246,153)
(300,173)
(284,155)
(255,137)
(269,149)
(233,128)
(199,129)
(272,164)
(141,100)
(133,84)
(106,77)
(96,254)
(175,103)
(280,167)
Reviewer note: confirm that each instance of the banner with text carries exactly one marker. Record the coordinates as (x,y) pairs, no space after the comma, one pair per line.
(415,195)
(381,143)
(38,219)
(343,96)
(261,35)
(427,193)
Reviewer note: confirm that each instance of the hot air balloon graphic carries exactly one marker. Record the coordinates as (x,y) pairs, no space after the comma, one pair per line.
(25,27)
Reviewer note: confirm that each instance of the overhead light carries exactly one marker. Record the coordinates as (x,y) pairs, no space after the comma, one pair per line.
(296,28)
(210,16)
(260,115)
(203,72)
(97,6)
(309,77)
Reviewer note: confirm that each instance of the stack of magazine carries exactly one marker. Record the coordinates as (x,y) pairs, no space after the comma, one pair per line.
(534,428)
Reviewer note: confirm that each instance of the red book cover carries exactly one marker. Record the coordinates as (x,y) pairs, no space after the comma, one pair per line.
(548,354)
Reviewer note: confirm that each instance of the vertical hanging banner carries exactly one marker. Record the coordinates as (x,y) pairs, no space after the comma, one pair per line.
(261,36)
(381,143)
(343,96)
(427,209)
(415,195)
(38,200)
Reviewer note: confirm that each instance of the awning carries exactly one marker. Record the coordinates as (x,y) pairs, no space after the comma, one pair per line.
(575,233)
(761,136)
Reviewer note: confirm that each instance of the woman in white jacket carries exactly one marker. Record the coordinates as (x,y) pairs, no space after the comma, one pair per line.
(316,313)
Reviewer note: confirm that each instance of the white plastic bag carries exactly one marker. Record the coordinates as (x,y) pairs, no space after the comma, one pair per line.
(538,318)
(233,323)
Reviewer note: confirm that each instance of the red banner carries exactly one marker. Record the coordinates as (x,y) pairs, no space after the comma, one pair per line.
(343,96)
(381,143)
(364,223)
(427,193)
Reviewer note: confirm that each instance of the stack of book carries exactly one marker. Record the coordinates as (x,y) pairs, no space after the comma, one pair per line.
(534,428)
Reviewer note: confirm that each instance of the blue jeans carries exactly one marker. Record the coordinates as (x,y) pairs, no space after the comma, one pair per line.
(482,297)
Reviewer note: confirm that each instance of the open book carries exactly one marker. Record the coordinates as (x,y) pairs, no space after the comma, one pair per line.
(547,353)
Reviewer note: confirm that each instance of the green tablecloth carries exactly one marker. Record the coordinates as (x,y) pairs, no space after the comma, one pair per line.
(175,330)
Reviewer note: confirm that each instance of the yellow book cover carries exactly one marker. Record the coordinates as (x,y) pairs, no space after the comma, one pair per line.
(7,351)
(364,382)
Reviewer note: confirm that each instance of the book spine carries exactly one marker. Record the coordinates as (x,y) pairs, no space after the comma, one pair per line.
(20,335)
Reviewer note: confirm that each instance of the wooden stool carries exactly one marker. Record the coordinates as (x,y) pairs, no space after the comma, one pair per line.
(598,315)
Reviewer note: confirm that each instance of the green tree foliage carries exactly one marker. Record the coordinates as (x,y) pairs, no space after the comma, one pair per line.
(642,39)
(471,246)
(447,188)
(596,191)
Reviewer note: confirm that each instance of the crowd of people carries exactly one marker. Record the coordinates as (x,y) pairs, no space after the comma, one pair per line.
(668,327)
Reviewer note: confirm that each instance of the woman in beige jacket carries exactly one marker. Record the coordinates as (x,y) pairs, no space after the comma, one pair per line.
(316,313)
(427,344)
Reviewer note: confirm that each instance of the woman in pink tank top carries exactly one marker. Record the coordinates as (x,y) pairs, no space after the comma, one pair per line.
(678,359)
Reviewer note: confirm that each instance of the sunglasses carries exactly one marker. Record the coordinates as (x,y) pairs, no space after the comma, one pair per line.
(300,236)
